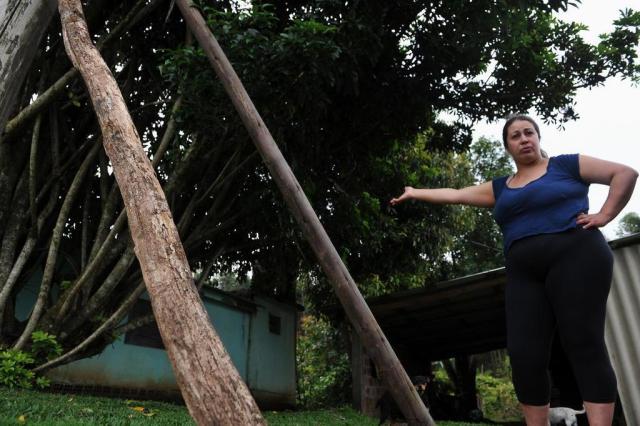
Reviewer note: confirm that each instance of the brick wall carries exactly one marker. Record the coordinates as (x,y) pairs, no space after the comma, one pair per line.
(367,388)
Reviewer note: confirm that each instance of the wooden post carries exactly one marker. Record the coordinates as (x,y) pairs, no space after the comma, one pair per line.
(362,320)
(212,388)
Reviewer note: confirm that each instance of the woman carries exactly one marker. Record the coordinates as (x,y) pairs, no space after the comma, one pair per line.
(558,264)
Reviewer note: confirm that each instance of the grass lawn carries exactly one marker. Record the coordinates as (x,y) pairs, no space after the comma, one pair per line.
(40,408)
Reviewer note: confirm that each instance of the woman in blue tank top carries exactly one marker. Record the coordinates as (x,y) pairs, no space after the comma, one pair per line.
(558,264)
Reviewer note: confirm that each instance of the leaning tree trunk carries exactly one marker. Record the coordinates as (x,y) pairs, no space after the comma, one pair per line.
(393,375)
(22,23)
(210,385)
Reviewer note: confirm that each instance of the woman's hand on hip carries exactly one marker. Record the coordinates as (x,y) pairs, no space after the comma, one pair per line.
(406,195)
(596,220)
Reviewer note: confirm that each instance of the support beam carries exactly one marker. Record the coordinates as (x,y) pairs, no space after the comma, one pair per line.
(393,375)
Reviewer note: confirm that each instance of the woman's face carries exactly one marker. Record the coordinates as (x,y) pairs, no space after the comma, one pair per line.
(523,142)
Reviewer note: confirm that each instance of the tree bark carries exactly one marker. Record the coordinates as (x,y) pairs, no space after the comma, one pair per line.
(13,126)
(14,228)
(374,340)
(211,386)
(22,24)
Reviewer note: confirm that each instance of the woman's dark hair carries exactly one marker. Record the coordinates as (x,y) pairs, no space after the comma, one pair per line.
(517,117)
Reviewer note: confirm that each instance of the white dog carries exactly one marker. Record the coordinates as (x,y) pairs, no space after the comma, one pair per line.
(563,416)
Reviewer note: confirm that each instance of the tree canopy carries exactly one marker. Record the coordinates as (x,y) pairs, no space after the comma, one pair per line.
(351,91)
(629,224)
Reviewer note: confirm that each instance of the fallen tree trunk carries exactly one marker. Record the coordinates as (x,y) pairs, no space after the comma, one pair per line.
(212,388)
(359,314)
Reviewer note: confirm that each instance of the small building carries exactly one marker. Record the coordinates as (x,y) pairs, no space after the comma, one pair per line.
(259,334)
(466,316)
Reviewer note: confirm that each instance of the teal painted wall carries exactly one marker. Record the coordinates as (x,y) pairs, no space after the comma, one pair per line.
(232,326)
(266,361)
(271,355)
(26,297)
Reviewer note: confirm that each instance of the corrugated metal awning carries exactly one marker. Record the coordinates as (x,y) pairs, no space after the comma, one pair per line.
(622,332)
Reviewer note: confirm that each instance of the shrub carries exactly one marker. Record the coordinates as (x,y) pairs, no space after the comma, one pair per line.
(498,398)
(323,364)
(14,369)
(15,365)
(44,346)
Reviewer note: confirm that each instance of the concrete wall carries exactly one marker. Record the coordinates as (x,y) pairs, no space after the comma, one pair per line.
(367,387)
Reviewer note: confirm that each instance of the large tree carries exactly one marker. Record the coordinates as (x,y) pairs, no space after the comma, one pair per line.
(202,367)
(351,92)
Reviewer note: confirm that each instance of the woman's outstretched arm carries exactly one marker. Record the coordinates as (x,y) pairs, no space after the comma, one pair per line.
(477,195)
(621,180)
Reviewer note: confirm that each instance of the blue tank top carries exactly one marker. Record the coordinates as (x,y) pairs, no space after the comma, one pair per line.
(545,205)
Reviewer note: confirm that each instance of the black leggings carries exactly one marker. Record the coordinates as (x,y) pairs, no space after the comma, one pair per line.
(559,280)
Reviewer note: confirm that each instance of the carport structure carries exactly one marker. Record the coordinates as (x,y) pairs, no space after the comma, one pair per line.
(452,318)
(466,316)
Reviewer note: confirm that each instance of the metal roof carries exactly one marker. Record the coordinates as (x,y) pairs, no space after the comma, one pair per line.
(457,317)
(622,329)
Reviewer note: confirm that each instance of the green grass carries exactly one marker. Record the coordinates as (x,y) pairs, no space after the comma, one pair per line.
(40,408)
(334,416)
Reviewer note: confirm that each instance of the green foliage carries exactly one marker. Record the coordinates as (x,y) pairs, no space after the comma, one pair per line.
(42,382)
(495,363)
(14,369)
(495,388)
(323,365)
(496,394)
(331,416)
(44,346)
(53,409)
(48,409)
(629,224)
(498,398)
(15,365)
(351,93)
(442,384)
(65,284)
(479,246)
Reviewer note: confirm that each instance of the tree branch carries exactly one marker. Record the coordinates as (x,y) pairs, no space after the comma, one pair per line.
(18,122)
(113,319)
(54,246)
